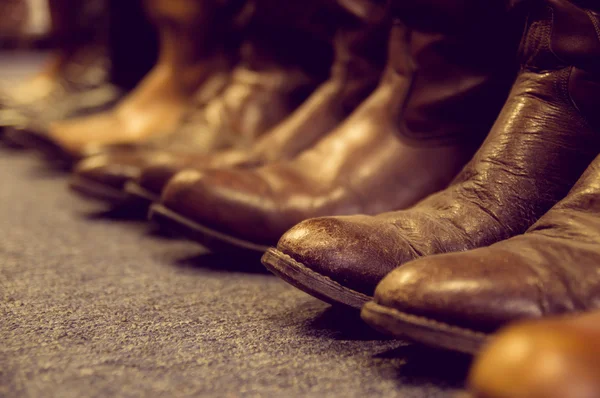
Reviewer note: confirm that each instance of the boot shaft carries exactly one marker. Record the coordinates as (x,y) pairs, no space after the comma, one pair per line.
(460,59)
(562,40)
(360,49)
(75,23)
(293,34)
(132,42)
(196,28)
(99,41)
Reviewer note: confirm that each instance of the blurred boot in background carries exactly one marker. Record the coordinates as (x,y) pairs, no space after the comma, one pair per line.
(360,50)
(102,50)
(553,358)
(14,17)
(193,49)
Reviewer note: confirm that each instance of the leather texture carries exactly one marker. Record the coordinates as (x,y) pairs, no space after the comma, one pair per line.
(537,149)
(232,131)
(517,362)
(368,164)
(552,269)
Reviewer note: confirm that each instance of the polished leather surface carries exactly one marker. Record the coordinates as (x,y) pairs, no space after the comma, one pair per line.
(366,165)
(551,269)
(554,358)
(537,149)
(229,131)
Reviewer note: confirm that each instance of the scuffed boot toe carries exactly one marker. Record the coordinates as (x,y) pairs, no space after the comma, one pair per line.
(336,259)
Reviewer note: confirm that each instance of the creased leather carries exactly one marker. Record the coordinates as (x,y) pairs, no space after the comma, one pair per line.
(552,269)
(537,149)
(363,166)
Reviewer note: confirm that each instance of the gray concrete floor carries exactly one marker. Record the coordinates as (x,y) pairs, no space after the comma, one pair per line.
(95,305)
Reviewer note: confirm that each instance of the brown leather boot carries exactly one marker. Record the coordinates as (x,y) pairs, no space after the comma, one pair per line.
(115,59)
(554,358)
(359,57)
(544,138)
(388,154)
(456,300)
(162,98)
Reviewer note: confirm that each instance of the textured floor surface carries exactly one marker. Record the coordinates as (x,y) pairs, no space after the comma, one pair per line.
(94,305)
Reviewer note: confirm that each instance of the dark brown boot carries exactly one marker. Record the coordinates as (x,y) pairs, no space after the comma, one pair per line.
(360,55)
(387,155)
(456,300)
(553,358)
(544,138)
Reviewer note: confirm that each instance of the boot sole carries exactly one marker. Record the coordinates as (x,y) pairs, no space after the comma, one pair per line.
(41,143)
(311,282)
(423,330)
(214,240)
(143,197)
(100,192)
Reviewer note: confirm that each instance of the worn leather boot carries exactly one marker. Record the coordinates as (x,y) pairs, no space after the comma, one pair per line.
(360,53)
(457,300)
(543,140)
(158,103)
(89,75)
(408,140)
(77,74)
(256,100)
(553,358)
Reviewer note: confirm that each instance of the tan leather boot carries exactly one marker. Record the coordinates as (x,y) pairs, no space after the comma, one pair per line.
(553,358)
(88,75)
(77,74)
(162,98)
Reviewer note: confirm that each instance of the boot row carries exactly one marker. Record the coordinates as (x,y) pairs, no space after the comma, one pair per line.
(432,164)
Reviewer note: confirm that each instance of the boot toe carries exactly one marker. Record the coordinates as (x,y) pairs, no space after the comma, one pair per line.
(480,290)
(232,202)
(537,360)
(349,250)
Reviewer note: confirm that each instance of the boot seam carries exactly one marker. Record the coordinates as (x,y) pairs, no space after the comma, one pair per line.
(566,87)
(594,21)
